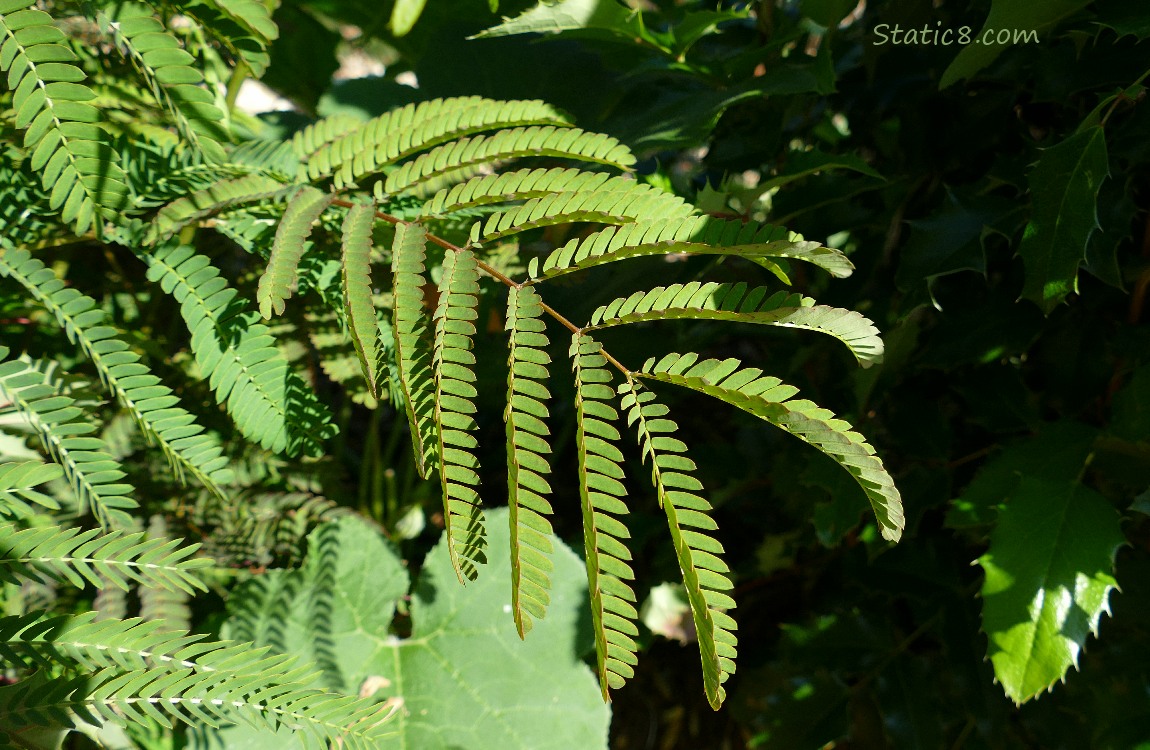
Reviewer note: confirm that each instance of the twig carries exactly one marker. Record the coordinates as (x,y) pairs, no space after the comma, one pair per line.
(494,273)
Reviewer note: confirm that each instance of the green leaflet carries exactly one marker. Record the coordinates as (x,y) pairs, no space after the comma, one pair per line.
(41,639)
(321,133)
(170,74)
(770,399)
(613,613)
(66,433)
(158,603)
(320,718)
(1064,192)
(339,360)
(534,141)
(412,342)
(466,680)
(279,279)
(274,158)
(268,402)
(77,165)
(95,557)
(570,15)
(622,205)
(202,203)
(252,15)
(455,426)
(527,465)
(1049,573)
(363,325)
(694,234)
(152,404)
(704,572)
(733,302)
(536,183)
(240,28)
(408,130)
(17,480)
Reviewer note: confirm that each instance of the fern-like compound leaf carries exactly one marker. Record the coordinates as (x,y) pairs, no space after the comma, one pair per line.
(269,403)
(601,490)
(320,133)
(240,39)
(274,158)
(621,205)
(157,603)
(252,15)
(50,553)
(170,74)
(188,449)
(736,303)
(527,465)
(362,321)
(66,433)
(207,201)
(455,425)
(18,480)
(91,642)
(341,363)
(406,131)
(515,143)
(525,184)
(279,279)
(771,400)
(413,342)
(73,155)
(704,572)
(317,718)
(704,235)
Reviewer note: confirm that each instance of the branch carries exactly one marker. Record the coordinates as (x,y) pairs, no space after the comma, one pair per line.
(493,273)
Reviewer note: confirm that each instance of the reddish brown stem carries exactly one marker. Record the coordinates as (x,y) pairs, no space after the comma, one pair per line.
(494,273)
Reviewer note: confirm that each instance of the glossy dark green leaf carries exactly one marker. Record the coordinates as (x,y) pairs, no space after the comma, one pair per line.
(572,15)
(1058,452)
(1049,573)
(1131,408)
(952,238)
(1117,209)
(1013,16)
(1064,189)
(1125,18)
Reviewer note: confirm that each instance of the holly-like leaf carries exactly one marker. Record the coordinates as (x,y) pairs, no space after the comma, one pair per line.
(951,239)
(1049,572)
(1017,16)
(1064,193)
(1131,408)
(1058,452)
(606,16)
(1123,17)
(463,679)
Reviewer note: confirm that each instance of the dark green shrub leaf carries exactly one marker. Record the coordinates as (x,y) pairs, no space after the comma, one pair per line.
(1014,15)
(1049,572)
(1064,188)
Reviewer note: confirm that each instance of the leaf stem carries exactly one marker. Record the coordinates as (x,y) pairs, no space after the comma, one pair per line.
(494,273)
(235,82)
